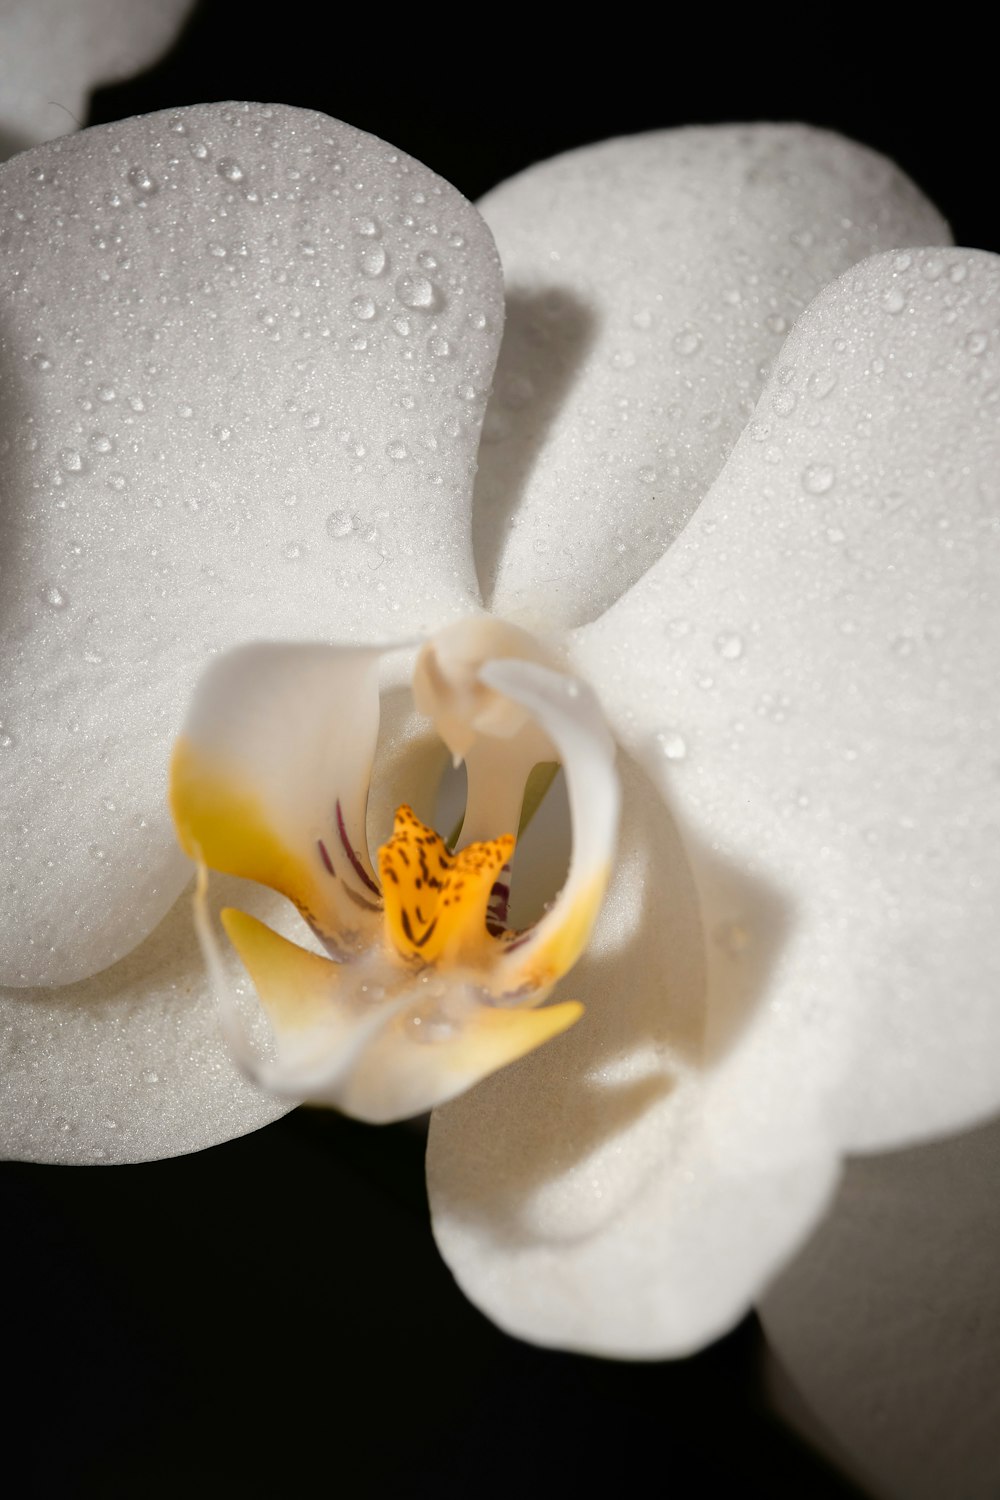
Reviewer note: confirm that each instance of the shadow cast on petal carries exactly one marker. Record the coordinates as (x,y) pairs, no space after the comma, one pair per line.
(550,333)
(660,1011)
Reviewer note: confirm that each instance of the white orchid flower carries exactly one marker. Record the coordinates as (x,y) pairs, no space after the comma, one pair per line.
(248,352)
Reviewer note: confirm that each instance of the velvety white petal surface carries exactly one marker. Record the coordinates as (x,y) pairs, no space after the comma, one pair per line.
(808,678)
(576,1196)
(129,1065)
(52,52)
(244,356)
(651,282)
(888,1322)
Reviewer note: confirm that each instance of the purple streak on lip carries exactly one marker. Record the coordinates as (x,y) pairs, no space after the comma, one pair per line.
(327,861)
(356,864)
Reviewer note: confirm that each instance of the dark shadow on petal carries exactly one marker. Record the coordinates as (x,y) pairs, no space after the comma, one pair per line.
(678,979)
(549,333)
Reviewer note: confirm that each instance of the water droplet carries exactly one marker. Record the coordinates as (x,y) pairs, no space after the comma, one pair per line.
(100,442)
(359,343)
(821,383)
(106,393)
(402,326)
(150,1075)
(903,262)
(776,323)
(311,420)
(687,341)
(339,523)
(42,363)
(143,182)
(647,475)
(367,228)
(818,478)
(672,745)
(416,292)
(644,319)
(230,169)
(199,150)
(363,307)
(893,300)
(783,403)
(958,273)
(729,646)
(397,450)
(439,347)
(71,460)
(54,597)
(117,482)
(976,343)
(291,550)
(372,260)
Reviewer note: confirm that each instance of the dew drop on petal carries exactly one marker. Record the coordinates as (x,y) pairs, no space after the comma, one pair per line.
(339,523)
(729,646)
(416,292)
(672,745)
(687,341)
(817,479)
(372,260)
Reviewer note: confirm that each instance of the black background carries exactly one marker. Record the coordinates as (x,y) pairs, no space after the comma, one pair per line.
(271,1317)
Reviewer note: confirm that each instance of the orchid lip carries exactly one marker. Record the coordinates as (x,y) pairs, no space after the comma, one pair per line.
(249,801)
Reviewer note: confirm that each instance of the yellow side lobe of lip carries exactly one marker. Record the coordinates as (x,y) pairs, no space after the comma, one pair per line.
(296,988)
(299,991)
(223,824)
(436,902)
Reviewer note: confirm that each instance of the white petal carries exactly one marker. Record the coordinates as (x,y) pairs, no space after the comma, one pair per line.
(575,1196)
(53,52)
(269,780)
(808,677)
(888,1321)
(215,431)
(824,638)
(571,717)
(129,1065)
(650,284)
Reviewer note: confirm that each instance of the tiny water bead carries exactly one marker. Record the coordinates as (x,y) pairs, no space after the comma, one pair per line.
(339,524)
(372,261)
(54,596)
(729,646)
(817,479)
(416,292)
(673,746)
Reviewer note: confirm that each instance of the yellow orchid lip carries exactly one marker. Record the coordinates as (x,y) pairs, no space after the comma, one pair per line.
(269,781)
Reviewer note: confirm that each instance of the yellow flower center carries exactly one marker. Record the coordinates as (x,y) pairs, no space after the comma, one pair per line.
(437,904)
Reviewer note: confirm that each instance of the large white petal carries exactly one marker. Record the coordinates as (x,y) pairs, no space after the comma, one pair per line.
(130,1064)
(651,282)
(576,1196)
(53,52)
(246,351)
(888,1321)
(807,676)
